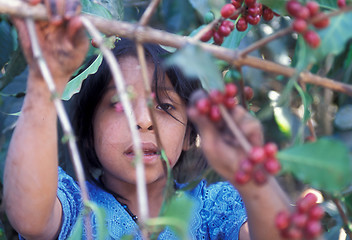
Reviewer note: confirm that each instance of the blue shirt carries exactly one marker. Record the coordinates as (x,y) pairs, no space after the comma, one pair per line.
(218,212)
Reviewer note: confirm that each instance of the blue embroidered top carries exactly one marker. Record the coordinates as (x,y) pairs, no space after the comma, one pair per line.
(218,213)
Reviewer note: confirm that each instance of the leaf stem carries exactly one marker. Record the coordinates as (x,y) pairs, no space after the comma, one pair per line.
(344,217)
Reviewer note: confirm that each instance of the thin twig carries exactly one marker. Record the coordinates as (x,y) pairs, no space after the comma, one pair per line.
(264,41)
(62,115)
(148,12)
(207,28)
(344,217)
(146,34)
(137,148)
(235,129)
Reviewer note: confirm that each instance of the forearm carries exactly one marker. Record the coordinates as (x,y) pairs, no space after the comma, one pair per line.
(30,179)
(262,205)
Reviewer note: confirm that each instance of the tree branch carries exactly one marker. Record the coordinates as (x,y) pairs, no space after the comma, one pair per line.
(147,34)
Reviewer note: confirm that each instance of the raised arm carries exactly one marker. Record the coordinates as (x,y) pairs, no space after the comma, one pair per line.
(224,154)
(30,179)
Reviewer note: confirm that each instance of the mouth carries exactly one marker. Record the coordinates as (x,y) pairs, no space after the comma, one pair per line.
(150,152)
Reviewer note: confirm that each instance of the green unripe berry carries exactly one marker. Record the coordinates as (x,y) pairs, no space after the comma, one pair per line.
(209,17)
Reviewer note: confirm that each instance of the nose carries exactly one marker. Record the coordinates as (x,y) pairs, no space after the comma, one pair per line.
(144,121)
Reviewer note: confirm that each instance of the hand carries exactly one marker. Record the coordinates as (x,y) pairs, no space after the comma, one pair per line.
(62,39)
(221,148)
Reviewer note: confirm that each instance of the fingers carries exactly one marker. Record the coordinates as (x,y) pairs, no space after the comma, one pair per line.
(74,25)
(60,10)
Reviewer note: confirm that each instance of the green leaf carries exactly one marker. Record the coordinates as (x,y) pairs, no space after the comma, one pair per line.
(324,164)
(77,229)
(100,219)
(6,43)
(95,8)
(176,214)
(234,39)
(196,63)
(330,43)
(115,7)
(202,6)
(283,118)
(74,86)
(16,66)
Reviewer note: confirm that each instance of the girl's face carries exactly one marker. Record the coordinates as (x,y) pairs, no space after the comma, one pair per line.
(112,137)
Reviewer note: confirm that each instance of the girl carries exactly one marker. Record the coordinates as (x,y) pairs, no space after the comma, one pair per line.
(43,202)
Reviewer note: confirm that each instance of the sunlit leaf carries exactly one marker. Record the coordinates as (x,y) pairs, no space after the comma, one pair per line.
(196,63)
(74,86)
(324,164)
(283,119)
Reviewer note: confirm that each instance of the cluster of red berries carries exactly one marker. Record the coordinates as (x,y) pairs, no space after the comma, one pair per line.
(261,162)
(248,12)
(303,15)
(341,3)
(304,222)
(210,106)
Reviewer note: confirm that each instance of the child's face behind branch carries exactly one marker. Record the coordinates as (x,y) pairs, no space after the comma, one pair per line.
(112,137)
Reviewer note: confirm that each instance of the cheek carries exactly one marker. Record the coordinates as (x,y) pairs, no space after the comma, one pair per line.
(172,138)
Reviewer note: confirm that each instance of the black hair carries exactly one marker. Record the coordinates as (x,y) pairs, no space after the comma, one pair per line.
(95,86)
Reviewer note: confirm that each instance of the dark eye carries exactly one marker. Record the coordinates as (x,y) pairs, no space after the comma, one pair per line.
(165,107)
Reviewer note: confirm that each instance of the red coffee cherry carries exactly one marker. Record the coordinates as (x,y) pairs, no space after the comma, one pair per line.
(257,155)
(248,93)
(241,24)
(312,38)
(323,21)
(293,7)
(218,38)
(253,10)
(316,213)
(203,106)
(246,166)
(216,96)
(282,220)
(299,25)
(341,3)
(253,20)
(306,203)
(242,177)
(294,233)
(313,229)
(259,176)
(230,102)
(270,149)
(207,36)
(224,30)
(299,219)
(268,14)
(303,13)
(272,166)
(227,10)
(229,24)
(249,2)
(237,3)
(313,8)
(215,114)
(230,90)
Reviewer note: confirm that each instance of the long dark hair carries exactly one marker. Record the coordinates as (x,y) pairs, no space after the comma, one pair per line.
(95,86)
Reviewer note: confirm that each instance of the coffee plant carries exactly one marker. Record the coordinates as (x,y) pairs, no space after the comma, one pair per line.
(287,62)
